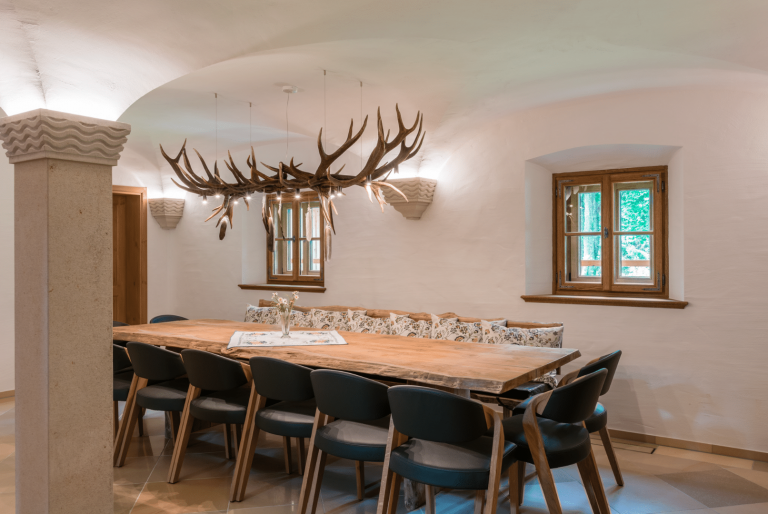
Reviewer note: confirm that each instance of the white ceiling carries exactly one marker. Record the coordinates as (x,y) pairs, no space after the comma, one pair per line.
(157,64)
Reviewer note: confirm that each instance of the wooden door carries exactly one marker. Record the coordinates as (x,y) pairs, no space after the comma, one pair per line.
(129,246)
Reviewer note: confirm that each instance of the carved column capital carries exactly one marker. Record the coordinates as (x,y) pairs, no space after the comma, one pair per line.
(48,134)
(167,211)
(419,191)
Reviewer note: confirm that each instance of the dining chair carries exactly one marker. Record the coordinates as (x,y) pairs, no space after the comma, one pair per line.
(165,318)
(161,386)
(122,378)
(351,422)
(225,400)
(551,434)
(444,440)
(282,403)
(598,421)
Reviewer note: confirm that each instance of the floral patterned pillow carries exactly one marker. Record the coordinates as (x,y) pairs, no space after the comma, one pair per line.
(550,337)
(359,322)
(407,327)
(454,330)
(265,315)
(331,320)
(301,319)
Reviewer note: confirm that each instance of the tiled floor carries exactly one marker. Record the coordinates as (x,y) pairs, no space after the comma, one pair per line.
(658,480)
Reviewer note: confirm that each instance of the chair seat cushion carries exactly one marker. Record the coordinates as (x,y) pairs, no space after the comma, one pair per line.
(290,419)
(121,385)
(457,466)
(165,396)
(564,443)
(354,440)
(595,422)
(527,390)
(222,406)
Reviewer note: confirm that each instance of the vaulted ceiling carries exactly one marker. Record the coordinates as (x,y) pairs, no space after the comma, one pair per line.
(157,64)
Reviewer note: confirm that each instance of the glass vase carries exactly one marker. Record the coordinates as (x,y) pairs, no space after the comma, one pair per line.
(285,323)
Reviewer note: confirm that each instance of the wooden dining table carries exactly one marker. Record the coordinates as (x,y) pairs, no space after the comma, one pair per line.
(455,366)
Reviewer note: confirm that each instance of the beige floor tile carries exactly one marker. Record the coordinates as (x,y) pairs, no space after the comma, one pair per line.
(717,488)
(6,404)
(202,442)
(758,477)
(760,466)
(125,497)
(756,508)
(136,470)
(573,500)
(648,495)
(7,483)
(7,503)
(282,509)
(648,464)
(271,490)
(148,446)
(720,460)
(195,466)
(207,495)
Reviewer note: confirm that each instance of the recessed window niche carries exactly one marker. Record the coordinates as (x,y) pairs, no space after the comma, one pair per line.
(538,203)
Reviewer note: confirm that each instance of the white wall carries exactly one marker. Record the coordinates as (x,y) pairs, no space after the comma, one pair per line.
(696,374)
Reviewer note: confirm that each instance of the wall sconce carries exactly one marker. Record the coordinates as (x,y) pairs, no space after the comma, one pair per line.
(419,192)
(167,211)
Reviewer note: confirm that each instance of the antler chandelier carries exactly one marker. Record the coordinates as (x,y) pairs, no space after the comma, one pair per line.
(290,178)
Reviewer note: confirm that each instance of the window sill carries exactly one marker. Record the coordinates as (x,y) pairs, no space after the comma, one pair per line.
(657,303)
(283,287)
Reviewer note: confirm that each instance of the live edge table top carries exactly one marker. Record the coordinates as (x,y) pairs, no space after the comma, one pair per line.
(448,364)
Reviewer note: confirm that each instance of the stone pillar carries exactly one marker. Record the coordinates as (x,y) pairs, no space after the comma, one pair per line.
(63,252)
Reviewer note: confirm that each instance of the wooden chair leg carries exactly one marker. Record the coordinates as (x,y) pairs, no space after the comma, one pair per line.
(394,495)
(536,445)
(520,481)
(185,429)
(313,457)
(514,501)
(586,478)
(287,454)
(611,455)
(479,501)
(115,419)
(247,447)
(302,455)
(128,423)
(317,482)
(141,421)
(360,479)
(227,441)
(494,479)
(429,508)
(597,483)
(389,490)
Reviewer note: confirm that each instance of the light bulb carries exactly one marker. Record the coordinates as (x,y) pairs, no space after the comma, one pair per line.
(218,195)
(248,197)
(236,202)
(298,193)
(205,200)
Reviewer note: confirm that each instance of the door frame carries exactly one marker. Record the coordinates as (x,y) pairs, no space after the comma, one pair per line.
(141,192)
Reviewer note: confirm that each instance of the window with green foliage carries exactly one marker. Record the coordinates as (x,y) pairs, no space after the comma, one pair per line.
(297,256)
(611,231)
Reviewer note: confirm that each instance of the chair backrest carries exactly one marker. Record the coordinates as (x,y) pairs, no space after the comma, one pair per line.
(155,363)
(609,362)
(120,360)
(119,324)
(165,318)
(280,380)
(212,372)
(348,396)
(434,415)
(575,402)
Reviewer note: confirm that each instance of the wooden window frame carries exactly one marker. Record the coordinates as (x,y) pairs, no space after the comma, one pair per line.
(297,278)
(660,223)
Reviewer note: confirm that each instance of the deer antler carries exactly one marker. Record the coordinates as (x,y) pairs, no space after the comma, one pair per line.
(290,177)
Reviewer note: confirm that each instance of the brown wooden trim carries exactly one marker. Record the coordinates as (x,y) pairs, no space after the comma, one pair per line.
(619,301)
(715,449)
(142,193)
(8,394)
(283,287)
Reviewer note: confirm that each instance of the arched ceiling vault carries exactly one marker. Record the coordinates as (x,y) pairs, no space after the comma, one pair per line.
(156,64)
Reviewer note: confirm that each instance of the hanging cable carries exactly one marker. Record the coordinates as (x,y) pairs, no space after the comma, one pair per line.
(287,101)
(325,111)
(216,96)
(361,124)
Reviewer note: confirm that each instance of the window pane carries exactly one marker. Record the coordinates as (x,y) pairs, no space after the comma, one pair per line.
(582,208)
(583,256)
(282,216)
(634,206)
(282,263)
(310,214)
(636,256)
(310,257)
